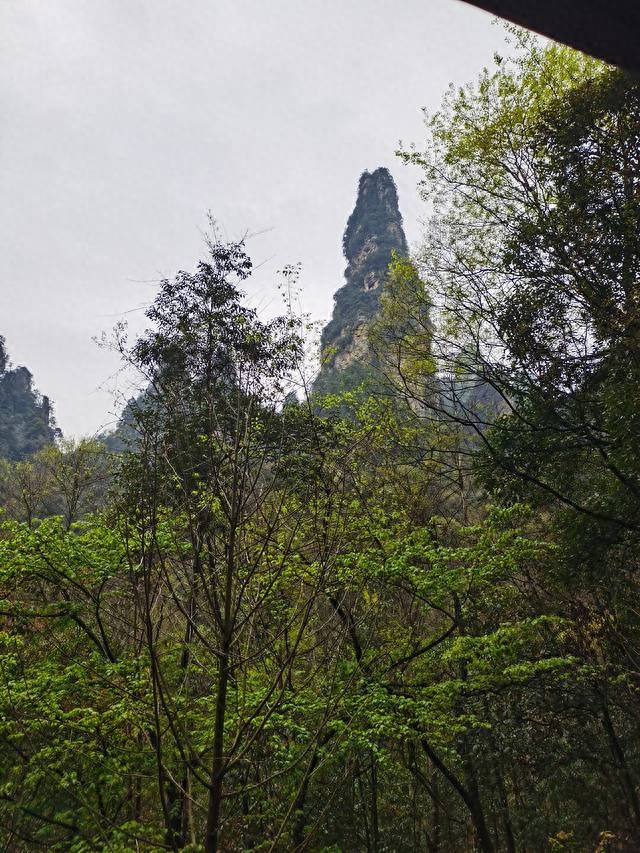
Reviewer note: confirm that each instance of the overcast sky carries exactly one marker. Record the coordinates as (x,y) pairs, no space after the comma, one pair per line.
(125,121)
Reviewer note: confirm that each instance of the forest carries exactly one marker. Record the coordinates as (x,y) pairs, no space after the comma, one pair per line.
(397,617)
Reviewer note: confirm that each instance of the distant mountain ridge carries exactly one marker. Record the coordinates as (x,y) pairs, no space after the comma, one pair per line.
(374,232)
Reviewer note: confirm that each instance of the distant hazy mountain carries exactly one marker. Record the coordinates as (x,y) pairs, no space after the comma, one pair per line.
(26,417)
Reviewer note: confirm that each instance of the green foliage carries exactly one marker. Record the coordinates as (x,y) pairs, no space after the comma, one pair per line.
(533,254)
(535,250)
(69,479)
(302,625)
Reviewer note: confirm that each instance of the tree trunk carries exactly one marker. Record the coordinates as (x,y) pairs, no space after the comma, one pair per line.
(218,764)
(470,799)
(628,786)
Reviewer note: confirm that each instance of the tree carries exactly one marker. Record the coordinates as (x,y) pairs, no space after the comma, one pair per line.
(74,698)
(532,260)
(215,517)
(535,253)
(70,479)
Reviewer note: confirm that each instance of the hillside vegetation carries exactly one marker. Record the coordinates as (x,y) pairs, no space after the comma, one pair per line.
(396,616)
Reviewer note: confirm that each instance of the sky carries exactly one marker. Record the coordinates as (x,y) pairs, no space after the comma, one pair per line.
(126,121)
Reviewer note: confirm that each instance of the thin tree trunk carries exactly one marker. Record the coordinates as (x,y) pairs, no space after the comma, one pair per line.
(510,842)
(365,811)
(375,829)
(298,834)
(218,762)
(628,785)
(470,799)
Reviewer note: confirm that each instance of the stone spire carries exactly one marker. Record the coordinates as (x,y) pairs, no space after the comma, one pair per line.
(373,232)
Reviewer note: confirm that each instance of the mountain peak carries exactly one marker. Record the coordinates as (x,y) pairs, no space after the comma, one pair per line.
(26,420)
(374,231)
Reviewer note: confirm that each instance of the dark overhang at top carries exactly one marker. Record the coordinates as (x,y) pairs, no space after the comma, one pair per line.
(608,29)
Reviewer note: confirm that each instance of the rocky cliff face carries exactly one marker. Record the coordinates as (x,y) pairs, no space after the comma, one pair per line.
(26,419)
(373,232)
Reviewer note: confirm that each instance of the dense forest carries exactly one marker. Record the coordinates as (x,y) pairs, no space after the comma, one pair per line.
(398,617)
